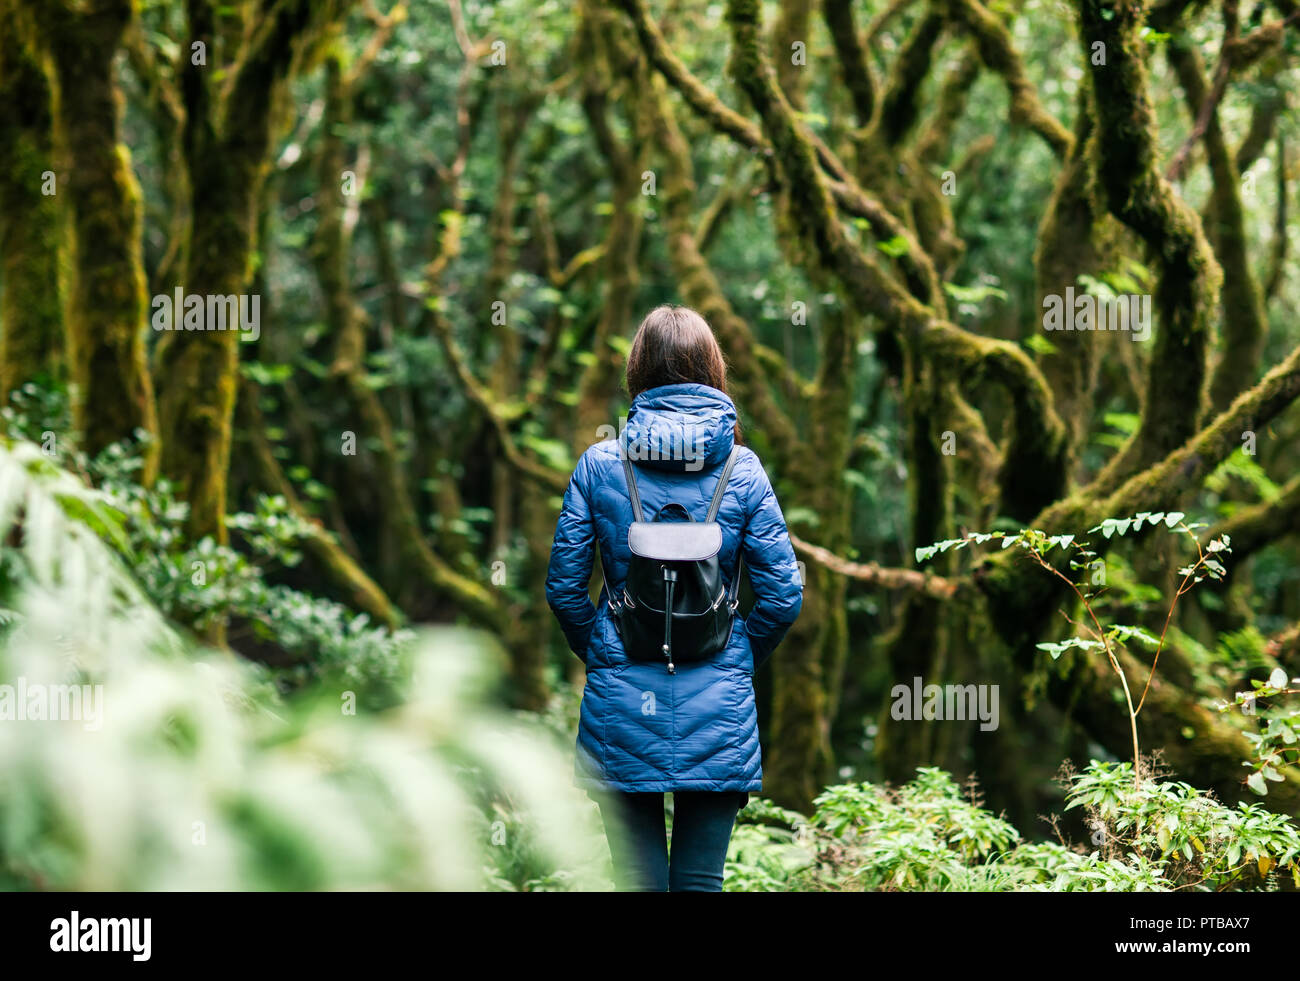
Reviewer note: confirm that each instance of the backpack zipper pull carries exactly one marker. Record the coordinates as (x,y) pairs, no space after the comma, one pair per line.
(670,577)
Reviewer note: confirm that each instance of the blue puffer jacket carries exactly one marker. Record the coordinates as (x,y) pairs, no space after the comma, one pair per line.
(641,728)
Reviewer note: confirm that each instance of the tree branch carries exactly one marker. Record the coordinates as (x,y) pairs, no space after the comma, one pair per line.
(1000,56)
(1189,277)
(878,575)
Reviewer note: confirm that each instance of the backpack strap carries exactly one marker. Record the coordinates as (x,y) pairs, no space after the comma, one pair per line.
(716,503)
(733,592)
(637,513)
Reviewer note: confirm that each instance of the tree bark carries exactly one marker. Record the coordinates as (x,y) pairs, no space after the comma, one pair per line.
(112,391)
(31,312)
(227,147)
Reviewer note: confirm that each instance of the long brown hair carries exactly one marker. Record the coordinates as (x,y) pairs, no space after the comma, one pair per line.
(675,345)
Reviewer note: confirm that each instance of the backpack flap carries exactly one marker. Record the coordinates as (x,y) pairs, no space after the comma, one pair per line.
(674,606)
(675,541)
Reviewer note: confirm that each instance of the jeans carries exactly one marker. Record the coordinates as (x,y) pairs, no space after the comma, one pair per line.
(638,844)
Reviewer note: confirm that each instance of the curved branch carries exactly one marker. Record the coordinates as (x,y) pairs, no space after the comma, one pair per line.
(1163,485)
(935,142)
(1022,597)
(499,416)
(697,95)
(1186,296)
(898,105)
(877,575)
(361,591)
(1244,323)
(725,120)
(701,289)
(811,213)
(1258,525)
(858,79)
(1000,56)
(1034,466)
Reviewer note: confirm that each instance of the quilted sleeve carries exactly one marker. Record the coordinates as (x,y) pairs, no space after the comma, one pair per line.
(773,571)
(572,555)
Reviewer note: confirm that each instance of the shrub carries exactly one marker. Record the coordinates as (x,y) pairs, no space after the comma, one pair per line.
(187,770)
(927,836)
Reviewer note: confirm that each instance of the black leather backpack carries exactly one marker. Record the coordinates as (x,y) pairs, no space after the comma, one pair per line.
(674,606)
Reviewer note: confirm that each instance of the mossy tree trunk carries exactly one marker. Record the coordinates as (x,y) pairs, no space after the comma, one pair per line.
(626,161)
(107,306)
(348,323)
(1244,325)
(227,144)
(355,586)
(1068,246)
(1187,292)
(518,513)
(31,312)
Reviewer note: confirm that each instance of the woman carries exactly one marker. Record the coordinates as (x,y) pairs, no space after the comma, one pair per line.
(645,731)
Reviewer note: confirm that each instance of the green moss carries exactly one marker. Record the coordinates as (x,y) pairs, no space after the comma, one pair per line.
(31,314)
(1000,55)
(1243,324)
(1073,238)
(1187,293)
(227,142)
(792,24)
(852,56)
(899,106)
(107,307)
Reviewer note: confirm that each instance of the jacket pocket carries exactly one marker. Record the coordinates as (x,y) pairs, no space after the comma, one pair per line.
(739,654)
(598,645)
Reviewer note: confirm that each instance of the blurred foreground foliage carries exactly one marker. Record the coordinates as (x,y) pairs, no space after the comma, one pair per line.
(199,773)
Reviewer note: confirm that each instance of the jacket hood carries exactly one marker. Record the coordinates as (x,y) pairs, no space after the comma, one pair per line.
(686,427)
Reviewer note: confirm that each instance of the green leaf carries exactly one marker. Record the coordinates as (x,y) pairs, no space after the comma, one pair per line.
(1039,344)
(973,294)
(893,247)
